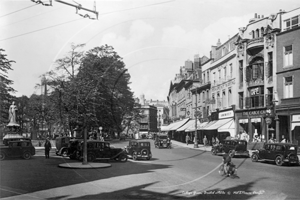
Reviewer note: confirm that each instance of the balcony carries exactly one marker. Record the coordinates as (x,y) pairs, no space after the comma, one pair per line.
(255,45)
(256,101)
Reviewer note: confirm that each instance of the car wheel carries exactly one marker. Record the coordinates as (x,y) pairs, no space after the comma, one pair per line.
(123,158)
(90,157)
(134,156)
(2,156)
(254,157)
(26,155)
(279,160)
(65,153)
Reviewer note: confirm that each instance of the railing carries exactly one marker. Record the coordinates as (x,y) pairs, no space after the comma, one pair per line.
(255,40)
(255,101)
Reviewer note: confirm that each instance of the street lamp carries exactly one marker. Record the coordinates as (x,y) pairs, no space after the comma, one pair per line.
(100,129)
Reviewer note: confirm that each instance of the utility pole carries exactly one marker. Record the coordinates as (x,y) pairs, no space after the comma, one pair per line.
(196,114)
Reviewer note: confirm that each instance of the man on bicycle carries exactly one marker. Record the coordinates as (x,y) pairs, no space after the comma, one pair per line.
(227,161)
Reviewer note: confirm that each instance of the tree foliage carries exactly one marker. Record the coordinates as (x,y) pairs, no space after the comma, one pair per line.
(5,87)
(91,88)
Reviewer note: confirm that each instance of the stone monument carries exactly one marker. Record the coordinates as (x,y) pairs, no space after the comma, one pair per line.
(13,126)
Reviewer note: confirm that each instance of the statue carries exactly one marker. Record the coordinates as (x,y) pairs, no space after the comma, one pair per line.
(12,115)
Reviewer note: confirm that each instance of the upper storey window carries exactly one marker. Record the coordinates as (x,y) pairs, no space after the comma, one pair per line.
(288,56)
(293,22)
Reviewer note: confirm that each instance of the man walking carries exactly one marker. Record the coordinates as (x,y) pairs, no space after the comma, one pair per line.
(47,148)
(187,139)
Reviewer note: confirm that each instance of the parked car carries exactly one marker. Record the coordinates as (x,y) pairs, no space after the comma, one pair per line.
(62,146)
(102,150)
(139,149)
(122,136)
(279,152)
(162,141)
(239,146)
(18,148)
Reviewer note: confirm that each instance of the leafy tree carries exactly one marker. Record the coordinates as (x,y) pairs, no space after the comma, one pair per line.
(5,88)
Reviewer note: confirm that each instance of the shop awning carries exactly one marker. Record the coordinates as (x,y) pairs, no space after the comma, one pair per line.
(178,124)
(294,125)
(174,125)
(228,127)
(187,125)
(217,124)
(199,126)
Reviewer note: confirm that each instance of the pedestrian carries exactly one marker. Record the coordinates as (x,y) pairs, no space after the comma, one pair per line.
(213,141)
(205,140)
(47,147)
(187,139)
(217,140)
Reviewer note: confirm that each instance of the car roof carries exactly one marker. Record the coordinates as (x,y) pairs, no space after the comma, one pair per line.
(139,141)
(286,144)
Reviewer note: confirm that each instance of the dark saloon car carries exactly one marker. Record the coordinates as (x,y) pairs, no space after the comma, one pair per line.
(20,148)
(139,149)
(162,141)
(102,150)
(239,146)
(279,152)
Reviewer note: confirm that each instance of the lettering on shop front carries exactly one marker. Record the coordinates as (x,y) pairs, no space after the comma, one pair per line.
(254,112)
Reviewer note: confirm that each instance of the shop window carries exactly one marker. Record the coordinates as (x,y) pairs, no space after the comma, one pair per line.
(288,87)
(288,56)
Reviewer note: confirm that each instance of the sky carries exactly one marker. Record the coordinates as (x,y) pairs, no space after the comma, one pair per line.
(154,37)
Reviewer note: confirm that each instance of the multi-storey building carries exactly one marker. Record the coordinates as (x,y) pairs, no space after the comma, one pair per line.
(256,50)
(221,99)
(288,78)
(148,124)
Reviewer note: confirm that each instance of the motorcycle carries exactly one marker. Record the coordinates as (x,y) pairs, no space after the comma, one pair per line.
(231,169)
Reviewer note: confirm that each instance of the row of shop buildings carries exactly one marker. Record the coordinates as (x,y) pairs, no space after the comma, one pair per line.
(250,83)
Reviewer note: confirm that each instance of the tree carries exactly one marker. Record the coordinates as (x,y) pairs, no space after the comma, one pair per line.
(5,88)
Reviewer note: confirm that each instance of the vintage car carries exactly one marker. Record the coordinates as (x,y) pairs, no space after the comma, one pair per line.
(279,152)
(101,150)
(238,146)
(162,141)
(139,149)
(18,148)
(62,146)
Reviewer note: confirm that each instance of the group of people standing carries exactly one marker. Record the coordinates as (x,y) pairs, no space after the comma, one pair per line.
(214,140)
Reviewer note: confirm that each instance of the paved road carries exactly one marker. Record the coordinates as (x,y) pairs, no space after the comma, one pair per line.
(177,173)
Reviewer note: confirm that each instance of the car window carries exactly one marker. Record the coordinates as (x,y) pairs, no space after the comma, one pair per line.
(272,147)
(279,148)
(14,144)
(90,145)
(106,145)
(24,144)
(267,147)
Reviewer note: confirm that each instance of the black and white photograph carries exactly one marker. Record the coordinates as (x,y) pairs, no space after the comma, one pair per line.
(150,99)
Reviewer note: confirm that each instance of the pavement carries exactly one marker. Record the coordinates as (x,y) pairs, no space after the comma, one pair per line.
(201,147)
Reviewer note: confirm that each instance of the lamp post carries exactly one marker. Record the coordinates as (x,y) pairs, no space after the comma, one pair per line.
(100,134)
(196,114)
(276,119)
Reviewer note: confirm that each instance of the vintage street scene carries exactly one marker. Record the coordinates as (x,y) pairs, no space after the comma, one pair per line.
(155,99)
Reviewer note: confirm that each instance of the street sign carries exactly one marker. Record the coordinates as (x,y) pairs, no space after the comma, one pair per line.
(268,120)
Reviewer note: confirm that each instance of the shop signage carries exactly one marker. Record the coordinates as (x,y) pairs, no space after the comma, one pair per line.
(255,91)
(268,120)
(243,121)
(257,112)
(227,114)
(255,120)
(295,118)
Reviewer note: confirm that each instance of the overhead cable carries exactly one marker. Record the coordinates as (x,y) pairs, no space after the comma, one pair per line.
(18,10)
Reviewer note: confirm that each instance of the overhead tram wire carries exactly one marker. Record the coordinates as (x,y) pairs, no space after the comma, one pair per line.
(18,10)
(40,29)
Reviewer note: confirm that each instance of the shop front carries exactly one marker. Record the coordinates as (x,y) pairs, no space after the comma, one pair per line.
(258,122)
